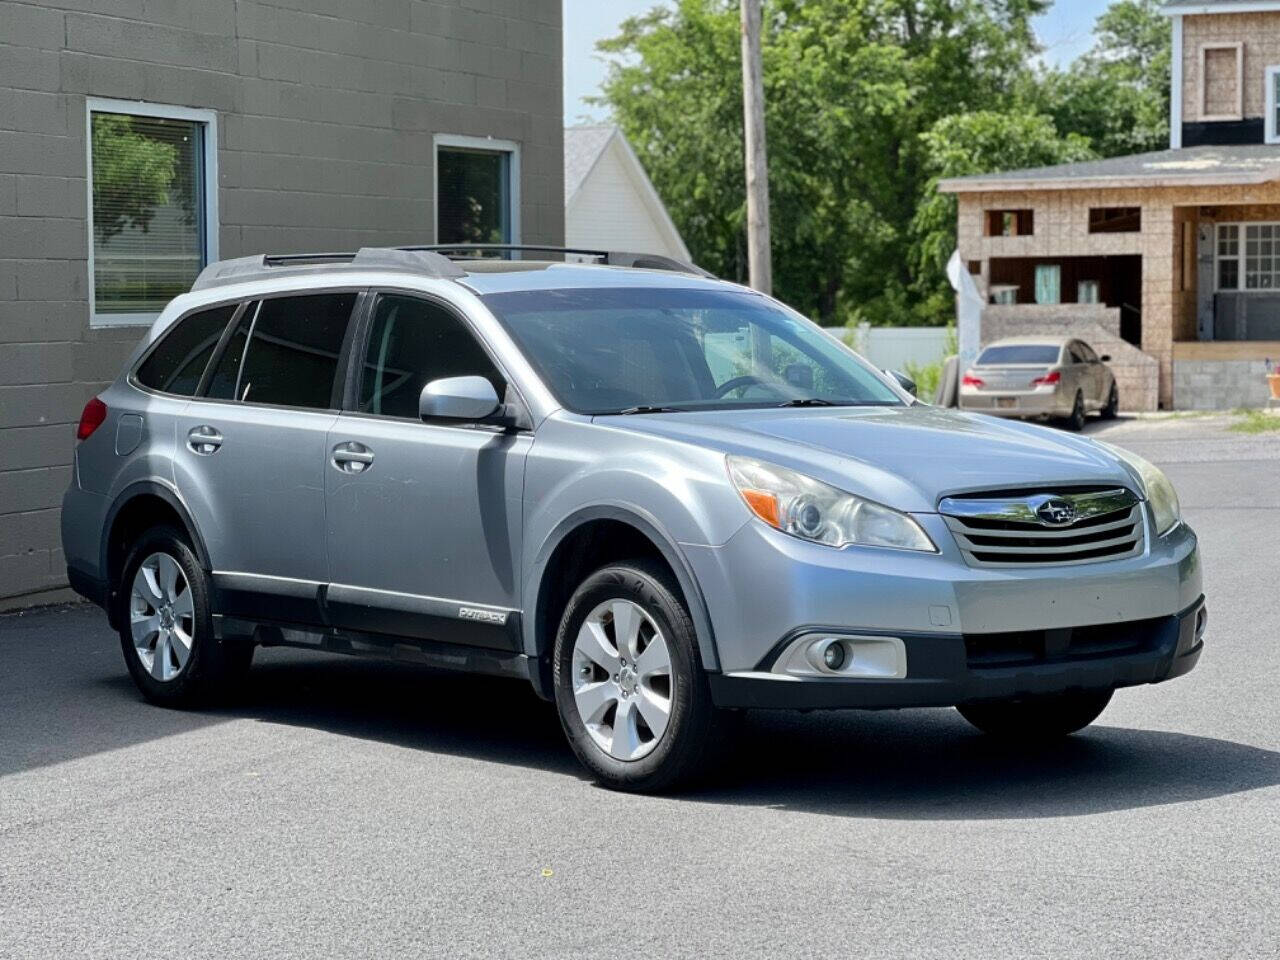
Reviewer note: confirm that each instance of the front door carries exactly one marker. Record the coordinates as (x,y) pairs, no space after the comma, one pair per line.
(424,519)
(251,455)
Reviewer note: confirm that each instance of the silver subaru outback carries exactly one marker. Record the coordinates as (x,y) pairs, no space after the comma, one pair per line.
(659,498)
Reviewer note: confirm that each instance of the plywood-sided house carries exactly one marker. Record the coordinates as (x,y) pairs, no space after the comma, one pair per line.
(1169,261)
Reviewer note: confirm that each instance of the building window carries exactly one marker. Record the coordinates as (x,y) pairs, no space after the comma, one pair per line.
(1249,256)
(1273,105)
(1088,291)
(477,190)
(1221,82)
(1048,283)
(153,216)
(1115,220)
(1011,223)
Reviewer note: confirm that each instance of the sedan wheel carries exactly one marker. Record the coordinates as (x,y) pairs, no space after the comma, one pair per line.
(162,617)
(622,679)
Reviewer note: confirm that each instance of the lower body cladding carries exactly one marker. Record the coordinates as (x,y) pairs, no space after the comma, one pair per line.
(802,625)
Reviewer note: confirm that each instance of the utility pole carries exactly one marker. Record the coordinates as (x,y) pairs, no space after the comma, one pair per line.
(759,259)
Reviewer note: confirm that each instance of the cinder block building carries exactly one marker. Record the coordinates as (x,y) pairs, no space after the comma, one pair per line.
(1168,261)
(141,139)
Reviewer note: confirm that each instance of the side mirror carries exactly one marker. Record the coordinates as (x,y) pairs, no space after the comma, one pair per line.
(905,382)
(458,398)
(1105,358)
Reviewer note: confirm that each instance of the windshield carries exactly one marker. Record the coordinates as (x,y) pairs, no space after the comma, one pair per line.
(1041,353)
(636,349)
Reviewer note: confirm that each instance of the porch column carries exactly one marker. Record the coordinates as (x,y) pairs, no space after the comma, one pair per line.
(1159,268)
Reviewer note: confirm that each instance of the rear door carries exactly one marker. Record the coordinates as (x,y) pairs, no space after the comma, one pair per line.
(251,453)
(1099,382)
(425,526)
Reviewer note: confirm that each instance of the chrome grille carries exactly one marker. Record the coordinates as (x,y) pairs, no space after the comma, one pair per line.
(1014,529)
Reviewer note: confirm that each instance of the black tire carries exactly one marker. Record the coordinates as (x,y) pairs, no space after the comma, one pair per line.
(1113,403)
(1075,422)
(213,666)
(695,729)
(1037,719)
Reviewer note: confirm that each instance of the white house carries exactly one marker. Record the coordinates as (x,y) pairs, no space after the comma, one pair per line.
(609,201)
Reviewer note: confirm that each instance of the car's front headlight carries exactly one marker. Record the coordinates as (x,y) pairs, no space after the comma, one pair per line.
(813,510)
(1155,487)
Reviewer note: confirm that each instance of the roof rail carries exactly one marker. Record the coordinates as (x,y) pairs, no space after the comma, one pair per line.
(614,258)
(244,269)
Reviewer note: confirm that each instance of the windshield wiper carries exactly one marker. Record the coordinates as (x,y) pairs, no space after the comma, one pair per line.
(646,408)
(807,402)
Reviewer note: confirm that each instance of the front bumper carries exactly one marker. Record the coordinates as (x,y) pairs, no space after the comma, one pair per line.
(945,671)
(763,588)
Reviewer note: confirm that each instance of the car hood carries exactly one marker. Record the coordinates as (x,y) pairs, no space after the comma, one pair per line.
(904,457)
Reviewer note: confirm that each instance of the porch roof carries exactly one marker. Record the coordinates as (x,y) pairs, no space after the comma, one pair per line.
(1246,165)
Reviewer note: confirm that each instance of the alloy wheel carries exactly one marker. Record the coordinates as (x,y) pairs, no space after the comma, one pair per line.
(622,679)
(162,617)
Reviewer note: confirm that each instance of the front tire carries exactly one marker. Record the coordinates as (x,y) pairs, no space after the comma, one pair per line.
(1113,403)
(166,625)
(1037,719)
(630,688)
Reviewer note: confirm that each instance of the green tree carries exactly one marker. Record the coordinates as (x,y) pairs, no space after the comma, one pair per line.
(850,86)
(973,143)
(132,175)
(1116,94)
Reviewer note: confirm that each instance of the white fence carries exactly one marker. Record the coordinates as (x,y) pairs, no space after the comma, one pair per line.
(892,348)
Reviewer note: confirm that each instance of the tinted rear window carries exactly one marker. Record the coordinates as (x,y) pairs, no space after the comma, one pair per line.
(292,356)
(176,364)
(1020,353)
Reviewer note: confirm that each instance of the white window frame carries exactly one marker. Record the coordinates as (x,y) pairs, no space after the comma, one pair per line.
(138,108)
(1273,134)
(485,145)
(1238,114)
(1241,257)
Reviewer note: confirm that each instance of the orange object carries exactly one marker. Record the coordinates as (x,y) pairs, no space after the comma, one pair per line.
(1274,380)
(764,505)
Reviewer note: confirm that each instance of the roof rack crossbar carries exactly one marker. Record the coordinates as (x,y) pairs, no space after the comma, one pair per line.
(244,269)
(431,260)
(615,258)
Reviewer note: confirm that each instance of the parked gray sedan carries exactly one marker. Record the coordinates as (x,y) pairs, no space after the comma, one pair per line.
(657,497)
(1028,377)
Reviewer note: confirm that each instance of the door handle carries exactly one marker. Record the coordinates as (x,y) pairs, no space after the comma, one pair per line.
(352,457)
(204,440)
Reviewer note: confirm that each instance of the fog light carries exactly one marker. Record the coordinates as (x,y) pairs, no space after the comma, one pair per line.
(833,655)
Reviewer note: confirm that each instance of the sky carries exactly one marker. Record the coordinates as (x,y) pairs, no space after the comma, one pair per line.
(1064,31)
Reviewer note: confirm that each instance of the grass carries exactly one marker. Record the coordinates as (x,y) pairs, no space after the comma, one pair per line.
(1255,421)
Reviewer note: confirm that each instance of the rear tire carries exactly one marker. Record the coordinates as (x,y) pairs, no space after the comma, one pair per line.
(166,625)
(1037,719)
(626,739)
(1075,422)
(1113,403)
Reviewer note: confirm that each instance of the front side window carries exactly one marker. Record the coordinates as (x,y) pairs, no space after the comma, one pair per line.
(178,361)
(287,354)
(475,193)
(613,350)
(152,212)
(411,343)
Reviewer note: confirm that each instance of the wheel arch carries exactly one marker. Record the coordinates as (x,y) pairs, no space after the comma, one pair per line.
(138,506)
(546,591)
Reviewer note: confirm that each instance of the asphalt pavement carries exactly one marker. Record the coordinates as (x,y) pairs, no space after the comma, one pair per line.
(348,808)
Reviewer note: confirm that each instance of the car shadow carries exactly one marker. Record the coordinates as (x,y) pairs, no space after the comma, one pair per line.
(917,764)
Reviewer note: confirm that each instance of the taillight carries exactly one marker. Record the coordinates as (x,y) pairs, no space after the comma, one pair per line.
(95,411)
(969,380)
(1052,377)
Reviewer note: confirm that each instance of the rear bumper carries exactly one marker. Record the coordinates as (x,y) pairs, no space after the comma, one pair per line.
(943,671)
(1025,403)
